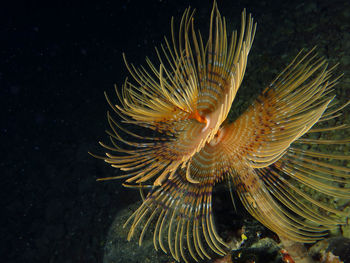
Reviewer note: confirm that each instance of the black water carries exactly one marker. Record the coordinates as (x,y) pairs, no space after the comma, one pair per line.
(56,60)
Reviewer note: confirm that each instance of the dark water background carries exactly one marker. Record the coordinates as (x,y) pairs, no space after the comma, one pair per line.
(57,58)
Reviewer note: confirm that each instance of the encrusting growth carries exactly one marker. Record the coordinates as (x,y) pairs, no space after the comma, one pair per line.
(269,155)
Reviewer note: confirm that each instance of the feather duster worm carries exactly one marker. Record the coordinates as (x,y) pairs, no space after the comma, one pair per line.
(185,102)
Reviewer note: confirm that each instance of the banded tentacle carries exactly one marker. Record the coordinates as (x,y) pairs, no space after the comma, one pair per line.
(182,217)
(185,105)
(270,166)
(286,110)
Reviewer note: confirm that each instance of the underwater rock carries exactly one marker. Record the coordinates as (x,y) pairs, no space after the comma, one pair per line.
(118,250)
(264,250)
(331,250)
